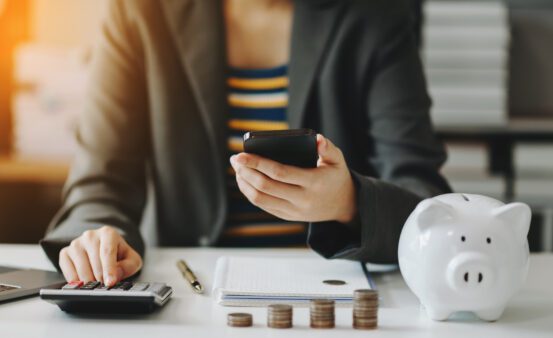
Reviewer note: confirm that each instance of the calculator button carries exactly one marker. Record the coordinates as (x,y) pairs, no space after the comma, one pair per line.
(139,287)
(90,286)
(115,287)
(125,286)
(121,286)
(102,287)
(156,287)
(72,285)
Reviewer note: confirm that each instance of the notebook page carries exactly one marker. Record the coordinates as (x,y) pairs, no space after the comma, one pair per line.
(250,276)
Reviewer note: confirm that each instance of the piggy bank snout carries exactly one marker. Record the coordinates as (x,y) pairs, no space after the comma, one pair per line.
(470,272)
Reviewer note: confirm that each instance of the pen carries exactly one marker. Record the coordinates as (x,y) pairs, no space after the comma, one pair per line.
(189,276)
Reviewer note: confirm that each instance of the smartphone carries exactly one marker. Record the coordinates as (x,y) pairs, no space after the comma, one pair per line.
(297,147)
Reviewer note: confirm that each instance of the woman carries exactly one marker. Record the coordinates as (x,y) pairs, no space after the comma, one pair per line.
(174,83)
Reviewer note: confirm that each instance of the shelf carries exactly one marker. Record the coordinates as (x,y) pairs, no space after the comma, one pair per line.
(39,171)
(517,129)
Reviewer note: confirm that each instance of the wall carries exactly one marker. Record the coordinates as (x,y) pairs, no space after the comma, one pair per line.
(28,203)
(66,22)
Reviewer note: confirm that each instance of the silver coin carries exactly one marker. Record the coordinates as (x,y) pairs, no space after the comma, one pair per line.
(280,325)
(279,320)
(366,324)
(365,310)
(279,311)
(365,315)
(361,313)
(365,294)
(239,319)
(280,307)
(322,308)
(365,318)
(240,316)
(322,325)
(320,313)
(365,321)
(280,317)
(272,320)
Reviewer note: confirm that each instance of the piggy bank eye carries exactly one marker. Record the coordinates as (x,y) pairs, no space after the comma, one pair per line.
(488,240)
(463,238)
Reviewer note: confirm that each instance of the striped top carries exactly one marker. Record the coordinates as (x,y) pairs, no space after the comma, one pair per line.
(257,100)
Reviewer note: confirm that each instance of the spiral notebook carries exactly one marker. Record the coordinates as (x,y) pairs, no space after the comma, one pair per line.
(251,281)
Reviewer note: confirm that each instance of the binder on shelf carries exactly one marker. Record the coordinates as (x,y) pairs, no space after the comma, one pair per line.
(465,55)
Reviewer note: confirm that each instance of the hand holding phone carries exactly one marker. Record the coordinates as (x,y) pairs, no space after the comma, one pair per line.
(296,175)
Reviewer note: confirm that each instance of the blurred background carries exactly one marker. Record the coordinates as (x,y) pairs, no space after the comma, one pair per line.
(489,65)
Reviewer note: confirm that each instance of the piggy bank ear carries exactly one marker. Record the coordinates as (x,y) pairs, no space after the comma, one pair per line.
(517,216)
(432,211)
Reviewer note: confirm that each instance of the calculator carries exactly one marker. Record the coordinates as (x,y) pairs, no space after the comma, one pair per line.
(125,297)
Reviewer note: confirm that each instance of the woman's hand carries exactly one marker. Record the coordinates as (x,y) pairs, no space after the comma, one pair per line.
(325,193)
(102,255)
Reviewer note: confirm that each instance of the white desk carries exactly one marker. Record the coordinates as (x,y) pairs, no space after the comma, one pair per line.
(530,313)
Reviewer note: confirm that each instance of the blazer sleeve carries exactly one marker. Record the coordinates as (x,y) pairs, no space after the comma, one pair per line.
(107,180)
(406,154)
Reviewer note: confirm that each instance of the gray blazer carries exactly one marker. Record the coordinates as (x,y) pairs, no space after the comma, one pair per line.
(156,112)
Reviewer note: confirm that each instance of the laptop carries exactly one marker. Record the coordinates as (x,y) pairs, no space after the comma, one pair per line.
(18,282)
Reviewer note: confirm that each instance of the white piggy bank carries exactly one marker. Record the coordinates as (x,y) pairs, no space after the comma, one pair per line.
(461,252)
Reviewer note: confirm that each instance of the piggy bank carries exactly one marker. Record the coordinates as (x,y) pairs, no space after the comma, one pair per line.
(462,252)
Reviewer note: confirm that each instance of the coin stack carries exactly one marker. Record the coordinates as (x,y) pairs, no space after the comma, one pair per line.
(238,319)
(279,316)
(365,309)
(322,313)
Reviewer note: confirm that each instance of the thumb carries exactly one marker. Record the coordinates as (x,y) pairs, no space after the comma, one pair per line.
(130,262)
(328,152)
(128,267)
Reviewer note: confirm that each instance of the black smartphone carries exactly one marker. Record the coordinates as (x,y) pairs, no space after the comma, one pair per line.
(297,147)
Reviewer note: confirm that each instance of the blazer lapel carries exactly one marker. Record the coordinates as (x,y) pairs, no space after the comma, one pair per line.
(313,25)
(197,27)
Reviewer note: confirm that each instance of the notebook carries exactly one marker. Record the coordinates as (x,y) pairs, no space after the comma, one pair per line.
(252,281)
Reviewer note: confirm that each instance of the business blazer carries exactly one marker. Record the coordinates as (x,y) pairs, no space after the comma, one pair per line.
(157,112)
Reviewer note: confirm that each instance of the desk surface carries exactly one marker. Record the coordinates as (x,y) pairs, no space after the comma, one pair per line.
(530,313)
